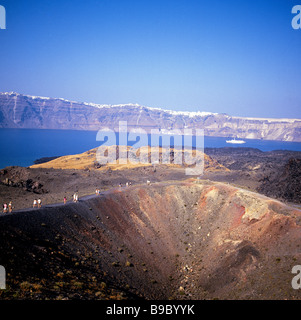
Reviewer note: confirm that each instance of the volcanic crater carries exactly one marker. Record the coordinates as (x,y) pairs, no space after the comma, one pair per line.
(193,239)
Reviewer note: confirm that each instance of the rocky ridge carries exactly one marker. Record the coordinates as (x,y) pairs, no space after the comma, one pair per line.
(23,111)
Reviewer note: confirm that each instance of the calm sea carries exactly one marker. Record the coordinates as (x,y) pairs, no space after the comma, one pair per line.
(21,147)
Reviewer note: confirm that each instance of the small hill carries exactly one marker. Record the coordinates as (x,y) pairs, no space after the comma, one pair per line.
(126,157)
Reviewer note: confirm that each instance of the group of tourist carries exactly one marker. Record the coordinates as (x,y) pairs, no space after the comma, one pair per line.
(7,207)
(127,184)
(37,203)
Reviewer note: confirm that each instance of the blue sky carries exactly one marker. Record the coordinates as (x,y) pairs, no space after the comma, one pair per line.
(236,57)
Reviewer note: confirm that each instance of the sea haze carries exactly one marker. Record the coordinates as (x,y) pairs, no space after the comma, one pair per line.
(21,147)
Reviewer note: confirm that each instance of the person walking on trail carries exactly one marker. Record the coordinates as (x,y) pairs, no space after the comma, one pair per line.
(65,200)
(34,203)
(75,197)
(5,208)
(10,207)
(39,203)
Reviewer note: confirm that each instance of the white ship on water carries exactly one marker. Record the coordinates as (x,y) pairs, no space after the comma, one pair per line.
(235,141)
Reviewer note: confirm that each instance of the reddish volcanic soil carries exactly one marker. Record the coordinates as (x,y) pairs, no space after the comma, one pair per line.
(184,240)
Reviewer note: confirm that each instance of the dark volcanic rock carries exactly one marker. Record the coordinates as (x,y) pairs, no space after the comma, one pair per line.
(275,173)
(19,177)
(285,183)
(44,159)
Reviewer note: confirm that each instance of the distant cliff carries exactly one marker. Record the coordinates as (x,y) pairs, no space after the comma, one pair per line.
(22,111)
